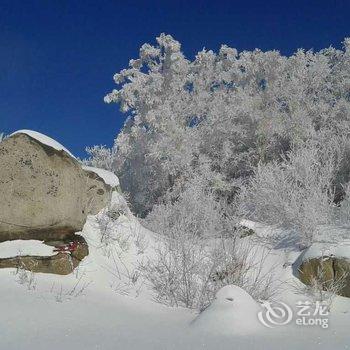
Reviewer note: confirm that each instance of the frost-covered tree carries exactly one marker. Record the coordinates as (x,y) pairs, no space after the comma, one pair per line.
(101,157)
(226,112)
(223,136)
(155,146)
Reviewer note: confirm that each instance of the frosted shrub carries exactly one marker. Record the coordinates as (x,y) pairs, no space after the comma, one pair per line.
(199,200)
(109,226)
(176,274)
(188,271)
(296,193)
(196,212)
(26,278)
(200,251)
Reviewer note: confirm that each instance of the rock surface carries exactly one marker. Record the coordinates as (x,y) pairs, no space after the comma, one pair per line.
(327,268)
(45,193)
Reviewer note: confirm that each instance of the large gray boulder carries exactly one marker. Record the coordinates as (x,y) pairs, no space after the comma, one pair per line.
(44,191)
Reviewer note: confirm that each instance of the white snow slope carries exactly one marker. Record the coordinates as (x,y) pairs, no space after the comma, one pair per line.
(97,307)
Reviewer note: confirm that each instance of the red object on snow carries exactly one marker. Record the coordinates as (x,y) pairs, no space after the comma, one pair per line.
(70,247)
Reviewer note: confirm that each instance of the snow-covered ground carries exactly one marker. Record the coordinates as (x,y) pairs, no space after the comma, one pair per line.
(97,307)
(9,249)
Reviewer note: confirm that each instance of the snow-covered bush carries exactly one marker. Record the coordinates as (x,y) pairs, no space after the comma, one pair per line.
(109,225)
(25,278)
(298,192)
(195,212)
(200,251)
(188,270)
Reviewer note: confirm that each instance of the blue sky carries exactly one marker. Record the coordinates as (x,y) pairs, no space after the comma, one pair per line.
(58,57)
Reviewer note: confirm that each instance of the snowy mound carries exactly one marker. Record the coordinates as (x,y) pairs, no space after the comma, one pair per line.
(9,249)
(233,311)
(108,177)
(46,140)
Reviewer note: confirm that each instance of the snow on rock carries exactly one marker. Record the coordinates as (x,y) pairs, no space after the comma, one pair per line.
(233,311)
(108,177)
(316,250)
(46,140)
(10,249)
